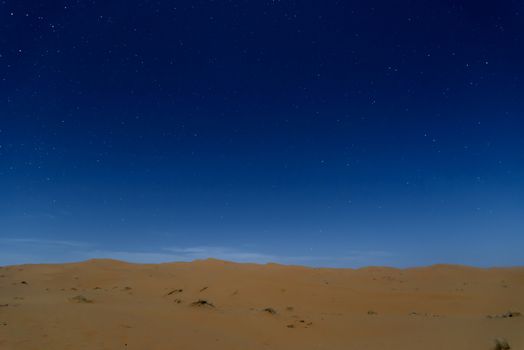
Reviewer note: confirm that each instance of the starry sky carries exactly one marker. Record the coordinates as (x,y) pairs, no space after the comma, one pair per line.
(325,133)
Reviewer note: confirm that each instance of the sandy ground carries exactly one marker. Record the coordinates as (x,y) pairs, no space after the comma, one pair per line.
(105,304)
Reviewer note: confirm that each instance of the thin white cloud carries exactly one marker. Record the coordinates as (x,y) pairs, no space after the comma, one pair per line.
(129,256)
(48,242)
(349,259)
(32,250)
(222,253)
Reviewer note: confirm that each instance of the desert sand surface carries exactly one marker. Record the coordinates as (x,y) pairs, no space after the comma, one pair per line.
(212,304)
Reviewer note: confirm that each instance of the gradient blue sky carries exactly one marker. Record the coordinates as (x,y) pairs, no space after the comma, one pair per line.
(333,133)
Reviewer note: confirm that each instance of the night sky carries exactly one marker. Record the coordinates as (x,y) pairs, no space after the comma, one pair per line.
(325,133)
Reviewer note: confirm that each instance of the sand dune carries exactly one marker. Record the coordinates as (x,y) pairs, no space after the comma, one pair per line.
(211,304)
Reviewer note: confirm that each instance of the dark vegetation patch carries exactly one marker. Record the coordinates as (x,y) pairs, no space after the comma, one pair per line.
(270,310)
(175,291)
(509,314)
(202,303)
(501,344)
(80,299)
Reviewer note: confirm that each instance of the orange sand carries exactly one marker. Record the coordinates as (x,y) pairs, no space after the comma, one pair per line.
(106,304)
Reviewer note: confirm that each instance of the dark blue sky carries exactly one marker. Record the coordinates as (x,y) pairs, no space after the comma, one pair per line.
(328,133)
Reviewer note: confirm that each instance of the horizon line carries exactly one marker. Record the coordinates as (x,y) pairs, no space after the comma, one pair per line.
(269,264)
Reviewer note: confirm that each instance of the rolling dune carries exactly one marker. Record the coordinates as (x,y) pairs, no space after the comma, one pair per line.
(212,304)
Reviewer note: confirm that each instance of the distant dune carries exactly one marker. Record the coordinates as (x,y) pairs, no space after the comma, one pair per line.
(213,304)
